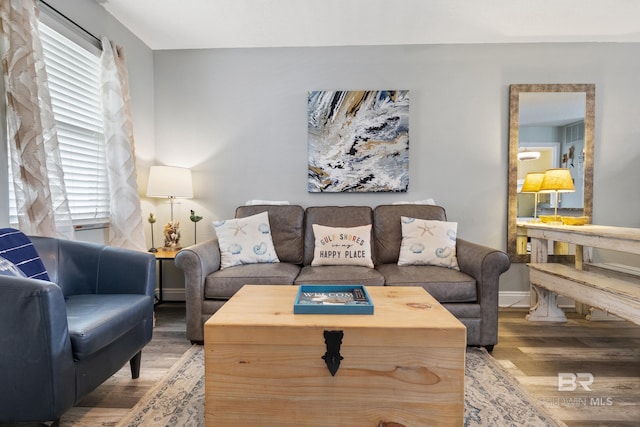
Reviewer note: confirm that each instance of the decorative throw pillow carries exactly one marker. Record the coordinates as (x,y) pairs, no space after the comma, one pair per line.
(7,268)
(17,248)
(428,242)
(245,241)
(342,245)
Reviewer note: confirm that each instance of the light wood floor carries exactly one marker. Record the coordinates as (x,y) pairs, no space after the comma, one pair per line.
(533,352)
(537,353)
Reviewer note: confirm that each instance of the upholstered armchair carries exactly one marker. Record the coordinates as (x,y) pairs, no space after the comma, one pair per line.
(63,337)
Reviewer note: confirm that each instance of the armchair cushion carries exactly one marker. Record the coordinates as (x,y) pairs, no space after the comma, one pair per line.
(95,321)
(17,248)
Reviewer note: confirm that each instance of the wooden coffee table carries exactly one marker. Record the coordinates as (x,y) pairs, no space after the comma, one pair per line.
(264,365)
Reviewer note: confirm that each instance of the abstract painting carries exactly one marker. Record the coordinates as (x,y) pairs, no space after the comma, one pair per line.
(358,141)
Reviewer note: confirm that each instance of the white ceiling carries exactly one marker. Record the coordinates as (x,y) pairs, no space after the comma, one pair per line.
(197,24)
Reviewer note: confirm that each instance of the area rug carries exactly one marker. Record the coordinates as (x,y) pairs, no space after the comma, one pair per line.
(492,396)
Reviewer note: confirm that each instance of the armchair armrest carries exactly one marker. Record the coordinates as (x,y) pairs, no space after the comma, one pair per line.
(197,262)
(485,265)
(36,362)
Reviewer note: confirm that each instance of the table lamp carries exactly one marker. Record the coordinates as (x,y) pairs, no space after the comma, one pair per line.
(531,184)
(171,182)
(557,181)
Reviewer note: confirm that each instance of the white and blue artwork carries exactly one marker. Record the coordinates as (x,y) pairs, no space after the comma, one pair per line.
(358,141)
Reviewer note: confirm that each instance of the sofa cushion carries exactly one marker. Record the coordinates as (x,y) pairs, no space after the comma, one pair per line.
(387,228)
(332,216)
(96,321)
(223,284)
(286,228)
(245,241)
(339,274)
(428,242)
(444,284)
(18,249)
(342,245)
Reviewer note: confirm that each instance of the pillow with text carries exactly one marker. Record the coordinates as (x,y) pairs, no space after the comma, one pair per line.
(342,245)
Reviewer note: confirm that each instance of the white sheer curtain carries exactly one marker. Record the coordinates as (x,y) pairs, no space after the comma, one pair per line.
(41,197)
(127,228)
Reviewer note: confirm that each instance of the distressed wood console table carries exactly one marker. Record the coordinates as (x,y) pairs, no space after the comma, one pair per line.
(606,290)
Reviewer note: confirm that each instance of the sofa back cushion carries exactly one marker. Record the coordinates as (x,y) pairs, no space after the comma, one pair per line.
(286,222)
(332,216)
(387,227)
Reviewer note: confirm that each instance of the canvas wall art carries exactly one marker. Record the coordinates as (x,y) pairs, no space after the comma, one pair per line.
(358,141)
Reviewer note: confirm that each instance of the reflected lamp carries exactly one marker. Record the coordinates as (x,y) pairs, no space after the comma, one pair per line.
(557,180)
(531,184)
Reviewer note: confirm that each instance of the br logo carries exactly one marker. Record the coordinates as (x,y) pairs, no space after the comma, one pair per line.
(568,381)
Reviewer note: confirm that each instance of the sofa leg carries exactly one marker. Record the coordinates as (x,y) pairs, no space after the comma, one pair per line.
(135,365)
(489,348)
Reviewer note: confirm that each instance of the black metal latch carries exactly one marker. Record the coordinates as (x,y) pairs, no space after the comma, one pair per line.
(333,340)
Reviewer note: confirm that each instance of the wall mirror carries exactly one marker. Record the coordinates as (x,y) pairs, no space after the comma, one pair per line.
(550,126)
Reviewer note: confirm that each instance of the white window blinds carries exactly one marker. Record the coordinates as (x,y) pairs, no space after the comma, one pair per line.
(74,83)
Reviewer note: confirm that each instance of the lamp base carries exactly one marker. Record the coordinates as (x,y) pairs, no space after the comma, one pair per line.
(153,250)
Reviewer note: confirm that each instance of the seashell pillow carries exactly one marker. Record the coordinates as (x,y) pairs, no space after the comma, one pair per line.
(245,241)
(342,245)
(428,242)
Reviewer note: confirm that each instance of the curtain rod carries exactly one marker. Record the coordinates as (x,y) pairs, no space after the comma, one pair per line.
(71,21)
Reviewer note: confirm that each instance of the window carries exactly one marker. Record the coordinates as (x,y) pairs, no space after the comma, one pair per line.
(74,82)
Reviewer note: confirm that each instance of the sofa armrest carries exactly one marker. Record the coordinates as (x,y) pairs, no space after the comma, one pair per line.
(36,361)
(485,265)
(197,262)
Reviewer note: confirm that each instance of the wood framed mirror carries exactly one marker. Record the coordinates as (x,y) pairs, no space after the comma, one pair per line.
(553,125)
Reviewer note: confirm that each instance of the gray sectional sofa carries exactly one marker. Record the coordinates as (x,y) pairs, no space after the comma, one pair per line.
(471,293)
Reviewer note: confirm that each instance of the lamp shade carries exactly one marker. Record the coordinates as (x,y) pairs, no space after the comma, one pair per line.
(170,181)
(532,182)
(557,180)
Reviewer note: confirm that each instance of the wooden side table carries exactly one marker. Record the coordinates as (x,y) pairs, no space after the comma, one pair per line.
(163,255)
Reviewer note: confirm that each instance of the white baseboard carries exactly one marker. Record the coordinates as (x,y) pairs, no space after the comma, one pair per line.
(171,294)
(522,299)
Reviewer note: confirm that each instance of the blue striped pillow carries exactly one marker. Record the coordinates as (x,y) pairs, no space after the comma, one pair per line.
(16,247)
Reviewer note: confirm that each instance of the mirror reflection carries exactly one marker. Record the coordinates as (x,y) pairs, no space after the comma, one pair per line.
(551,129)
(551,135)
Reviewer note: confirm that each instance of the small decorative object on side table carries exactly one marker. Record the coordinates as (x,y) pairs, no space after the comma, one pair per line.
(194,218)
(172,236)
(152,220)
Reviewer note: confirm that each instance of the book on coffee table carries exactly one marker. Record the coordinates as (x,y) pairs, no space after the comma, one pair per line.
(332,299)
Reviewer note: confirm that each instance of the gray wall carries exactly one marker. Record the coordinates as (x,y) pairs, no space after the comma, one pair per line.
(237,117)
